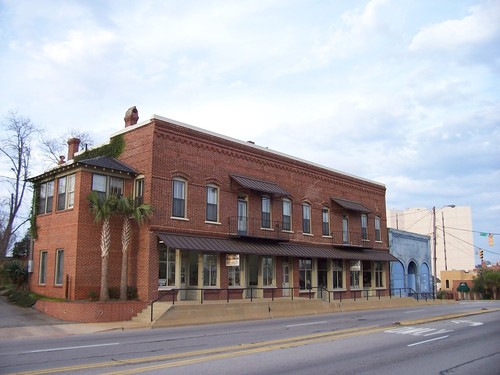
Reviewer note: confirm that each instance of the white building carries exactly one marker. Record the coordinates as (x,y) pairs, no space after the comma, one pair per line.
(454,243)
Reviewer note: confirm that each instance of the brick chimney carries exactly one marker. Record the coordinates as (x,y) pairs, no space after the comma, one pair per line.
(73,147)
(131,116)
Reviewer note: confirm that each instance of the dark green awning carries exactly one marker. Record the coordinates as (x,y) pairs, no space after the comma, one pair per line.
(463,287)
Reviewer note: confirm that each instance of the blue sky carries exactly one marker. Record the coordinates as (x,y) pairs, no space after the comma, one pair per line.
(403,92)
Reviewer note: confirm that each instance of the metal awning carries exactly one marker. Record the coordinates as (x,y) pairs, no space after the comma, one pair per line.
(350,205)
(260,185)
(262,247)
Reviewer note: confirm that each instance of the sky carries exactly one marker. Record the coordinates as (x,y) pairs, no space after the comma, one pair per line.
(402,92)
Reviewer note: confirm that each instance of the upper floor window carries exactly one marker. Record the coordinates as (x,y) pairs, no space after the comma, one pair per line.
(107,185)
(306,218)
(266,212)
(212,203)
(139,191)
(364,227)
(179,198)
(345,230)
(66,192)
(378,236)
(46,197)
(325,214)
(287,215)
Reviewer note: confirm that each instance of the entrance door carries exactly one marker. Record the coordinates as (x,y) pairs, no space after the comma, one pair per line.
(286,280)
(184,263)
(252,266)
(322,278)
(242,216)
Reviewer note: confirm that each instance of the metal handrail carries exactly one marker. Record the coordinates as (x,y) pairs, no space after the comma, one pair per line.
(332,295)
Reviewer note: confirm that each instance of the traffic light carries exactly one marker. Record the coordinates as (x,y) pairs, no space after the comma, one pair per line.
(490,239)
(481,254)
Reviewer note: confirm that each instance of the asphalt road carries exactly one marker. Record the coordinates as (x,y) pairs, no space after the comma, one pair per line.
(367,342)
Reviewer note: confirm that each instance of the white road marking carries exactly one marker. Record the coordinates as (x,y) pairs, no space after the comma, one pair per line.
(306,324)
(426,341)
(413,311)
(71,348)
(418,331)
(472,324)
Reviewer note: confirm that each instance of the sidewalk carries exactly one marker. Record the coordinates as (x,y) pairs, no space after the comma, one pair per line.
(21,322)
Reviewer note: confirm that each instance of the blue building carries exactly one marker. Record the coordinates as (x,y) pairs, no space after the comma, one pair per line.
(412,271)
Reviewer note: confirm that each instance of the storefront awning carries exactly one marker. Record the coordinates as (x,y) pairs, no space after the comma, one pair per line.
(350,205)
(463,287)
(259,185)
(235,246)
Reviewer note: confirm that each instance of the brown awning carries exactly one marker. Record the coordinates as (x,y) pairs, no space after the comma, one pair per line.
(350,205)
(259,185)
(235,246)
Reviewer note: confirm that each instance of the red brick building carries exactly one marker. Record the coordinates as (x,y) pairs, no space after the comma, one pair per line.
(230,218)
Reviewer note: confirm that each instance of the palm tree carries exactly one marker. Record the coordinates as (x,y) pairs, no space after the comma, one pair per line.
(127,207)
(102,210)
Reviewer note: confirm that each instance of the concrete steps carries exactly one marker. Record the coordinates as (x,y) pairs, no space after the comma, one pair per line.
(159,309)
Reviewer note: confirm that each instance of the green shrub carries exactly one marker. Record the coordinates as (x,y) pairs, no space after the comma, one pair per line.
(23,298)
(16,273)
(132,294)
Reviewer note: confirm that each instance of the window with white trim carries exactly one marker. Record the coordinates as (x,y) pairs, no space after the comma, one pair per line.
(66,192)
(233,274)
(166,269)
(107,185)
(265,212)
(179,198)
(45,197)
(42,275)
(209,270)
(325,219)
(139,192)
(305,273)
(355,270)
(267,271)
(212,213)
(59,272)
(306,218)
(345,230)
(287,215)
(364,227)
(338,273)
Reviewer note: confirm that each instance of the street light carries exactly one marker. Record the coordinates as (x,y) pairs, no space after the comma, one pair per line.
(434,286)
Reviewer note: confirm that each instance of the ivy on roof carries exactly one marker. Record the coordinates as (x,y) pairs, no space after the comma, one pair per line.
(113,149)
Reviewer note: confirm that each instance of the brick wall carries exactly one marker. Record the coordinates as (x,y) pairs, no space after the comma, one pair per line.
(91,312)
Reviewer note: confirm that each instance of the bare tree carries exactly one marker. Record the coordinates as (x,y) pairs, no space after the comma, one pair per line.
(54,148)
(15,149)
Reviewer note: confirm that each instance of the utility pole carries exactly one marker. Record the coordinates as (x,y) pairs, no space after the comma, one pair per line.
(444,244)
(434,286)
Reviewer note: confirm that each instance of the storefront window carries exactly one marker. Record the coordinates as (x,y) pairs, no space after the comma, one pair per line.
(305,273)
(166,269)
